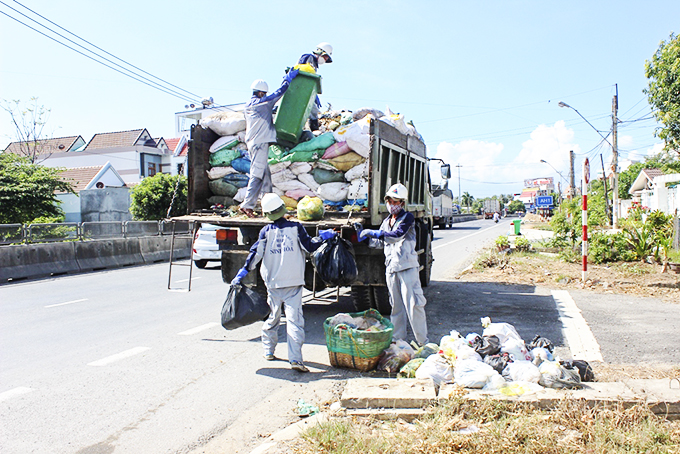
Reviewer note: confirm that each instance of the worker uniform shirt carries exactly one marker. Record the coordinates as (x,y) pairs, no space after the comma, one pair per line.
(259,117)
(399,242)
(281,246)
(310,59)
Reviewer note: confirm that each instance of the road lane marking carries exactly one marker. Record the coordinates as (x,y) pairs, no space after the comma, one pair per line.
(119,356)
(14,393)
(198,329)
(580,338)
(68,302)
(467,236)
(187,280)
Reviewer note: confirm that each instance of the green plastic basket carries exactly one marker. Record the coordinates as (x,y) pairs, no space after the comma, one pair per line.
(357,349)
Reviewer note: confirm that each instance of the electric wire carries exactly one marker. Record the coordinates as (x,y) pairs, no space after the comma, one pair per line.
(108,53)
(129,73)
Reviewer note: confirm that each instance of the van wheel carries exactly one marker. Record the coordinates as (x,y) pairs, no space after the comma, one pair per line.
(200,263)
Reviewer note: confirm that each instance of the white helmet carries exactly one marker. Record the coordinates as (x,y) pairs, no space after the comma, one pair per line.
(325,49)
(271,202)
(260,85)
(397,191)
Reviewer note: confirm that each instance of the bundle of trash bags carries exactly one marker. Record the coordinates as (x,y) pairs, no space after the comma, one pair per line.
(497,360)
(332,166)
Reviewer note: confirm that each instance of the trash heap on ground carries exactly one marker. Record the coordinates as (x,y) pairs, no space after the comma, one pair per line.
(498,360)
(330,165)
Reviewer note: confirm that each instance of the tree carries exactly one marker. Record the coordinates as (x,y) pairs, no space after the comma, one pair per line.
(29,122)
(669,163)
(663,91)
(27,190)
(152,197)
(515,206)
(467,200)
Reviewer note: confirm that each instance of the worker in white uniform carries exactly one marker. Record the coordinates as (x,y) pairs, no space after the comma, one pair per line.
(321,55)
(398,238)
(260,133)
(281,246)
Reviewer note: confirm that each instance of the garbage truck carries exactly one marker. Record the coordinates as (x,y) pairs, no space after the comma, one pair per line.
(491,206)
(392,157)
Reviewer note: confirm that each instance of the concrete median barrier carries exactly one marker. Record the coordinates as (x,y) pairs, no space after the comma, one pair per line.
(28,261)
(157,248)
(93,255)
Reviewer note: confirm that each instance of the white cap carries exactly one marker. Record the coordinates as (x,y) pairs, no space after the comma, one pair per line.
(271,202)
(397,191)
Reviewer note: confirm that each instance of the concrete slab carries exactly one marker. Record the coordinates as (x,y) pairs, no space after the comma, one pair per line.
(662,395)
(407,414)
(387,393)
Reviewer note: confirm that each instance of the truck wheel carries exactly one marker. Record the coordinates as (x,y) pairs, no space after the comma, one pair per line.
(362,297)
(426,262)
(200,263)
(381,299)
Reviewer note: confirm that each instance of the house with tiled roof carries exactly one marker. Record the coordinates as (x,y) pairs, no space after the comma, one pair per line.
(656,191)
(84,179)
(134,154)
(178,148)
(46,147)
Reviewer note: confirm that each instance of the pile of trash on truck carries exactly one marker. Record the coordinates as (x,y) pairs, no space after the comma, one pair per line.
(498,360)
(330,164)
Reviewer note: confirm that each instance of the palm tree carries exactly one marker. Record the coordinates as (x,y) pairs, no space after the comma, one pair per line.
(467,200)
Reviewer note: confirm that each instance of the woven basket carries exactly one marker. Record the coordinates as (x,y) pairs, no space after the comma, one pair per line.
(357,349)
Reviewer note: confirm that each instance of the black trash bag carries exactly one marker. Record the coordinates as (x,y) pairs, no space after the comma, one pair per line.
(542,342)
(498,362)
(584,370)
(487,345)
(242,307)
(334,262)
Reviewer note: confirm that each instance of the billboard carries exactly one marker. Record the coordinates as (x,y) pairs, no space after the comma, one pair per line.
(538,182)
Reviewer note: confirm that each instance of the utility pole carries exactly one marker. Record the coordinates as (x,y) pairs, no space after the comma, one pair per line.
(460,201)
(572,182)
(615,160)
(606,192)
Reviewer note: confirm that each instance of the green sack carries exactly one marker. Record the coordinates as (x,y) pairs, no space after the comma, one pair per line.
(323,176)
(223,158)
(298,156)
(221,200)
(410,368)
(310,209)
(221,187)
(317,143)
(277,152)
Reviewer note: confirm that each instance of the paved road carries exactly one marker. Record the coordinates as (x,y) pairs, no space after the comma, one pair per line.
(113,362)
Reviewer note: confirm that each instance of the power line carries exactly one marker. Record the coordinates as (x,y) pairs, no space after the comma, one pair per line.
(131,74)
(108,53)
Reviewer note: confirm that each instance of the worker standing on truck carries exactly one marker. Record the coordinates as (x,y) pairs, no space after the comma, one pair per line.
(398,237)
(260,132)
(321,55)
(281,246)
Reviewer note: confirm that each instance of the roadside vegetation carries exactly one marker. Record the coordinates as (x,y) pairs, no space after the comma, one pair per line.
(492,426)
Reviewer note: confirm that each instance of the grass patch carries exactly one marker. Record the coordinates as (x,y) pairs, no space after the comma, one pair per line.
(500,427)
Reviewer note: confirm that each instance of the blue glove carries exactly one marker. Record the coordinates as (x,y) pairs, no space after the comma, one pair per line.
(327,234)
(292,74)
(240,275)
(358,227)
(366,233)
(318,102)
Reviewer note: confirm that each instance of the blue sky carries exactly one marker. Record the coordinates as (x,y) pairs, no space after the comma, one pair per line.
(480,80)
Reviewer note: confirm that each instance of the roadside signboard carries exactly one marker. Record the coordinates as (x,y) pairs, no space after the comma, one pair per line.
(544,201)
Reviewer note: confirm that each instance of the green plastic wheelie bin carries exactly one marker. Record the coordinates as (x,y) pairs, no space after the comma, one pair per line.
(295,107)
(516,223)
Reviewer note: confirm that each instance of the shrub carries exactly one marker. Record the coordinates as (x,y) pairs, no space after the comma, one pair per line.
(502,242)
(605,248)
(522,244)
(152,197)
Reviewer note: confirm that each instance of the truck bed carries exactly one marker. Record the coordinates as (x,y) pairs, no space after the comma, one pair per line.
(330,220)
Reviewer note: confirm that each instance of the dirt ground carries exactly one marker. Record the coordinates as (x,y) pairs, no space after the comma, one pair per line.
(547,270)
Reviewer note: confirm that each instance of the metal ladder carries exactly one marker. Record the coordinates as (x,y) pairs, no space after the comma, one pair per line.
(194,229)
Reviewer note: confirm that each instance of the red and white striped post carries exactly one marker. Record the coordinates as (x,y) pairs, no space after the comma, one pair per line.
(584,220)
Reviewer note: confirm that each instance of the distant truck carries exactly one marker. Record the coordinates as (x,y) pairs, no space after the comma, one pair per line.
(442,208)
(491,206)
